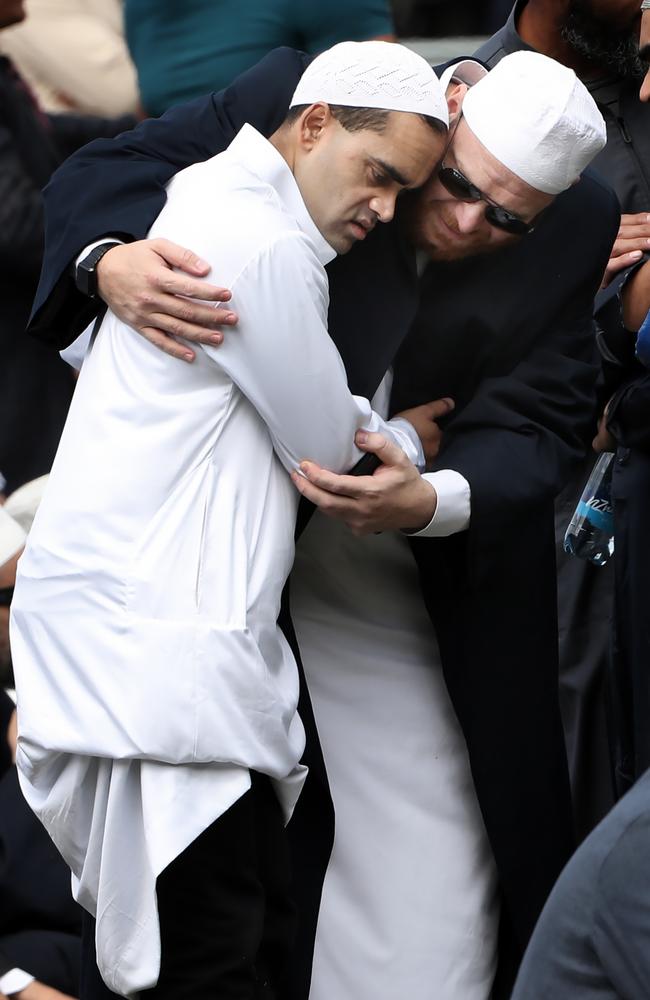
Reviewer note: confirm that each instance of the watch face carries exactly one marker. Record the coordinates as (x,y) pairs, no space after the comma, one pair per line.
(86,274)
(86,279)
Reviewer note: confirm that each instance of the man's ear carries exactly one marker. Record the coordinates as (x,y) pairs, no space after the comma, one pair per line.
(313,123)
(455,97)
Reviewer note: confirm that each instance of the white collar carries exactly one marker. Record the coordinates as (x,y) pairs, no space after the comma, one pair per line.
(263,159)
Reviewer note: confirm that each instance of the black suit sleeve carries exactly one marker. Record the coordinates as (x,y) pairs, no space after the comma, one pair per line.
(117,187)
(71,131)
(516,441)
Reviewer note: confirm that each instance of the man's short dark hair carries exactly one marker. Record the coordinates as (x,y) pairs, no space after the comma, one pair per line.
(358,119)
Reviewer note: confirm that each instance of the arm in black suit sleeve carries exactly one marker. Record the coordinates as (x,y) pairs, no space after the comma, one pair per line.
(117,186)
(72,131)
(516,441)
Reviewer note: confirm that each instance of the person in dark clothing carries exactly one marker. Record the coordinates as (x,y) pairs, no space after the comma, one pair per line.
(591,942)
(35,385)
(40,924)
(627,422)
(523,379)
(600,42)
(625,429)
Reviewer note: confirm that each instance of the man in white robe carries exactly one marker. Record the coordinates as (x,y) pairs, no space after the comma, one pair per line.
(156,692)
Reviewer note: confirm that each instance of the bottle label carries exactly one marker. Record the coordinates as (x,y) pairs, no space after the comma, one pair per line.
(599,512)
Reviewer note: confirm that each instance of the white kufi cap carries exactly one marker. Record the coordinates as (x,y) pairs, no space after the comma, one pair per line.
(537,118)
(383,75)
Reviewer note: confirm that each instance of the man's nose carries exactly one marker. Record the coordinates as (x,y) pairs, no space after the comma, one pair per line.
(470,216)
(383,206)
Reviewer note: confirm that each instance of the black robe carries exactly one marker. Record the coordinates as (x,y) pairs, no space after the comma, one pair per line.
(510,337)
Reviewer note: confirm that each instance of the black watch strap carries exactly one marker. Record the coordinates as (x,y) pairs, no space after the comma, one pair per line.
(86,269)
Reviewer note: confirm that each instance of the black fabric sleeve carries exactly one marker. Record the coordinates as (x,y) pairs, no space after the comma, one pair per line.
(516,441)
(629,413)
(116,187)
(52,957)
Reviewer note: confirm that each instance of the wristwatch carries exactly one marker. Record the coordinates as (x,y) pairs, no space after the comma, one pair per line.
(86,270)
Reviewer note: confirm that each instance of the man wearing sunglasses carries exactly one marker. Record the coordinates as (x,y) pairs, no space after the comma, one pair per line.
(599,39)
(517,358)
(459,187)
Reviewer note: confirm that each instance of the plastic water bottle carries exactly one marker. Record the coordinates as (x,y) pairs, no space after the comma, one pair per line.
(590,534)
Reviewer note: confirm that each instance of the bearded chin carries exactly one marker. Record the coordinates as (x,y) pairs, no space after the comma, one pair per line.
(600,44)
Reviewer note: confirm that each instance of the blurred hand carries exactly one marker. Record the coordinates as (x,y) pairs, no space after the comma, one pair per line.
(604,440)
(395,497)
(423,419)
(632,242)
(39,991)
(139,284)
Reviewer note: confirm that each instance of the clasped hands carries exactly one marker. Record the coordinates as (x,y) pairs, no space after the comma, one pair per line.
(159,289)
(395,497)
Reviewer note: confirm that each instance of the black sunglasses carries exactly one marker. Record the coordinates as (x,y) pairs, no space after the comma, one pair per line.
(461,188)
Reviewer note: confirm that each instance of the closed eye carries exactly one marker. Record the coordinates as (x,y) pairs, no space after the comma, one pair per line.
(378,178)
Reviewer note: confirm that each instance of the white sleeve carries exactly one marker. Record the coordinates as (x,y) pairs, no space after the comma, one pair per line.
(454,507)
(282,359)
(14,981)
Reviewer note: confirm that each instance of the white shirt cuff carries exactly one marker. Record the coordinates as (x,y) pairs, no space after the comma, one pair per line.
(454,507)
(416,455)
(14,981)
(91,247)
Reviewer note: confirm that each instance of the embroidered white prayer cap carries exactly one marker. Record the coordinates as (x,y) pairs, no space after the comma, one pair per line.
(16,516)
(537,118)
(467,71)
(382,75)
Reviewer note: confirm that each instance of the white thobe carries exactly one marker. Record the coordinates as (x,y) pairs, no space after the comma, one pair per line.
(409,905)
(144,627)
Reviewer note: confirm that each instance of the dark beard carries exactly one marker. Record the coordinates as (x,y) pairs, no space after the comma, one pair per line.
(601,44)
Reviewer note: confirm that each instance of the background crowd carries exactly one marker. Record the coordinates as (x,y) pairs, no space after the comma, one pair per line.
(75,70)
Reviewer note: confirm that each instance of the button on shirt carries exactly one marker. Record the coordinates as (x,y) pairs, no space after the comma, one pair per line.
(145,611)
